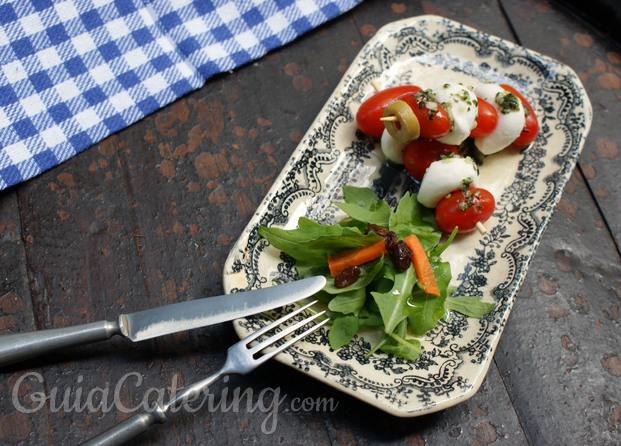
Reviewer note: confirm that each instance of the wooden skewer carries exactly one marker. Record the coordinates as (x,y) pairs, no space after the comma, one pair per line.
(389,118)
(375,85)
(482,229)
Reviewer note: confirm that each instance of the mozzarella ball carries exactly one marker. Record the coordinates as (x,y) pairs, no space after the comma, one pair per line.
(392,149)
(445,176)
(510,120)
(460,103)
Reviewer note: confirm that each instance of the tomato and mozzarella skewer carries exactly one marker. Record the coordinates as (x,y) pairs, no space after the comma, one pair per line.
(461,104)
(371,110)
(391,148)
(434,121)
(531,126)
(419,154)
(495,116)
(465,209)
(487,119)
(449,186)
(444,176)
(511,118)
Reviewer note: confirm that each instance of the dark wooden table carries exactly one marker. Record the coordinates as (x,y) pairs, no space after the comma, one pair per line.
(147,217)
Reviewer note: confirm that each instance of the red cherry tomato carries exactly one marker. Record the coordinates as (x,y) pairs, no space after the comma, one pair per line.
(487,119)
(434,124)
(420,153)
(464,208)
(531,127)
(371,110)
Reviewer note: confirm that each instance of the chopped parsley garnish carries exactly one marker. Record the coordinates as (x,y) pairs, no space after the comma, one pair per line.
(508,102)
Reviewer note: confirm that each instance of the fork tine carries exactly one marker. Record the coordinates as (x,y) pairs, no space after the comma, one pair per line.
(289,342)
(277,322)
(281,334)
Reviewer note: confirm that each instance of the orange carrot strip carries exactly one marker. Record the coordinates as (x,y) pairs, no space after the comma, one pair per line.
(422,265)
(354,257)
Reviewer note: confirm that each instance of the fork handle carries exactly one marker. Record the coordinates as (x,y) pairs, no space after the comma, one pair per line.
(140,423)
(128,429)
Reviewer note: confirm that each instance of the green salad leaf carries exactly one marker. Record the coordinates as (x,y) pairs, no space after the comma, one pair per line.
(312,243)
(382,297)
(392,304)
(349,302)
(363,205)
(469,306)
(344,327)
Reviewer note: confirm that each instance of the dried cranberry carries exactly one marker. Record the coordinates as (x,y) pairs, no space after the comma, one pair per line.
(347,277)
(399,252)
(401,255)
(377,229)
(390,240)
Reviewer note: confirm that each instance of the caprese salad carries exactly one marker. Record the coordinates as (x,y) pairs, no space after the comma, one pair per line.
(428,130)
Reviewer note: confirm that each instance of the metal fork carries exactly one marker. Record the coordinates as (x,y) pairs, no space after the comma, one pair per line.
(241,359)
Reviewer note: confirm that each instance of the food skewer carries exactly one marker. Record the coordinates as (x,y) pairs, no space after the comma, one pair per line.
(391,120)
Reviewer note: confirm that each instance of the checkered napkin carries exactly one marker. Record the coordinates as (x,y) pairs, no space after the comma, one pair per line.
(73,72)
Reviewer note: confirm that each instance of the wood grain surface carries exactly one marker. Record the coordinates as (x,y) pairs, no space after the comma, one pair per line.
(147,218)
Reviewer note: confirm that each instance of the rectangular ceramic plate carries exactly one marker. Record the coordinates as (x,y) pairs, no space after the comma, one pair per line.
(427,51)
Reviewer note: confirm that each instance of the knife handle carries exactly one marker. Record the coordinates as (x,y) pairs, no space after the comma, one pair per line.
(128,429)
(20,346)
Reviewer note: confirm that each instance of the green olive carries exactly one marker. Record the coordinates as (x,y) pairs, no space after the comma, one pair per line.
(405,127)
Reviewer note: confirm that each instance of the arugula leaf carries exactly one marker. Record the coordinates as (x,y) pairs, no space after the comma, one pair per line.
(409,349)
(312,244)
(342,331)
(409,218)
(426,310)
(392,304)
(439,249)
(362,204)
(323,296)
(309,270)
(396,344)
(349,302)
(304,222)
(368,318)
(470,306)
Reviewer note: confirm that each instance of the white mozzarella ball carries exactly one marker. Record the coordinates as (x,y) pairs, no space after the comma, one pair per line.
(460,103)
(445,176)
(392,149)
(510,122)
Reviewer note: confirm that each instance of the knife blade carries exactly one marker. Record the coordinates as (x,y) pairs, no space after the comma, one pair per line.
(159,321)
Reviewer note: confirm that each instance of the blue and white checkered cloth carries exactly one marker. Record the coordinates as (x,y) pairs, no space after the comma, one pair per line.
(73,72)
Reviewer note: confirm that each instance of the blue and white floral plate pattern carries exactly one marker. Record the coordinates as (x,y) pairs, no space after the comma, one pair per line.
(426,51)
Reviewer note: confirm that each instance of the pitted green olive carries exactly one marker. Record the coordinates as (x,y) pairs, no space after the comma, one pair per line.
(403,125)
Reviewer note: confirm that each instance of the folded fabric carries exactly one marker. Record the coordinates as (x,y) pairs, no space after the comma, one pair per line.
(74,72)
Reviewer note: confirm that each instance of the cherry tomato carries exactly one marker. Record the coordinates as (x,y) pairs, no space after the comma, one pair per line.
(420,153)
(434,124)
(464,208)
(486,119)
(371,110)
(531,127)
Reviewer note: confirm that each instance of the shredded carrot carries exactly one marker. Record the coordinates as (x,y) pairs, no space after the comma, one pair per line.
(354,257)
(422,265)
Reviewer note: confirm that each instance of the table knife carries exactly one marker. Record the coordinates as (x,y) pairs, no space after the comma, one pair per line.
(159,321)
